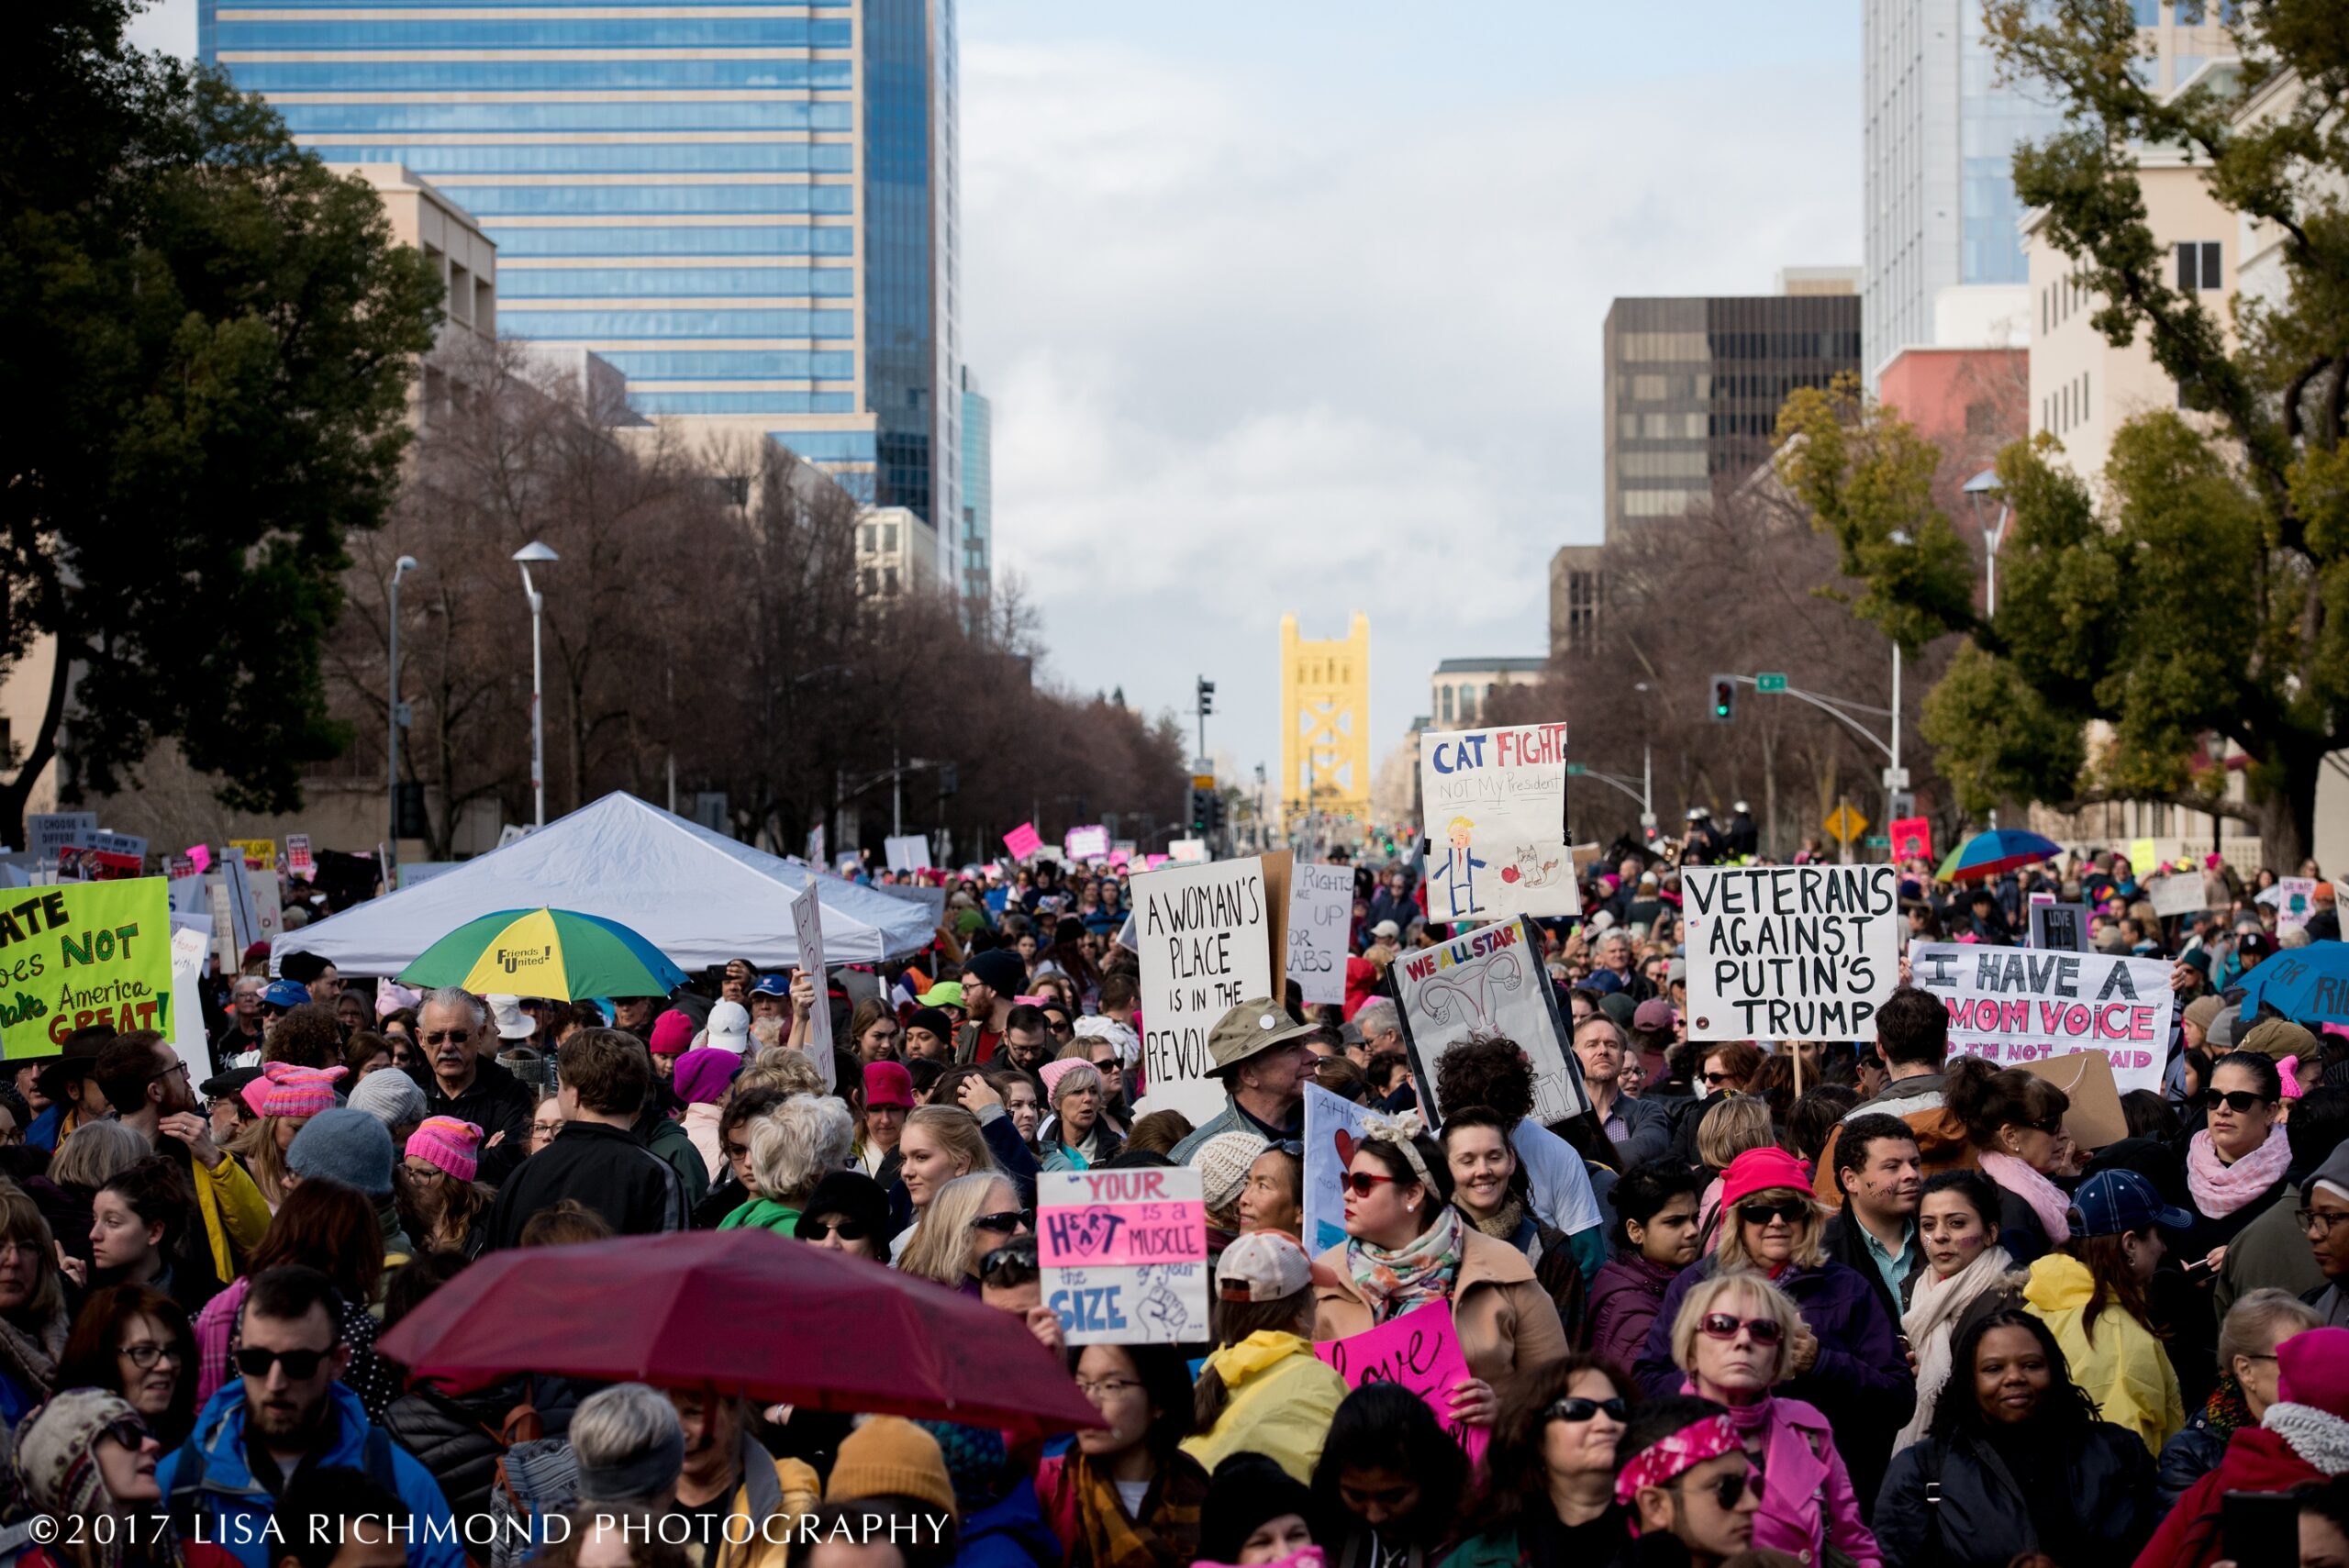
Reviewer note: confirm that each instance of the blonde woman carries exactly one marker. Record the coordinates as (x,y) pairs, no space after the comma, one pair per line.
(971,1217)
(1847,1359)
(940,1144)
(1737,1123)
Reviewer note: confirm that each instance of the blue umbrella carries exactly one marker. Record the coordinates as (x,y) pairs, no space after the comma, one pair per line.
(2308,984)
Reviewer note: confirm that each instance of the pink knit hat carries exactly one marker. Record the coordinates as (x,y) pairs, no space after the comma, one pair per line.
(453,1145)
(1051,1073)
(672,1033)
(1762,1171)
(299,1091)
(2312,1368)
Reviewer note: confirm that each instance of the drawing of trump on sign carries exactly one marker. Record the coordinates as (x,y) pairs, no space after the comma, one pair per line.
(1458,872)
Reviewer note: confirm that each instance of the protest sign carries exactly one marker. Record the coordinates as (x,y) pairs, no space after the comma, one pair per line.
(1320,913)
(2295,903)
(908,852)
(1189,852)
(1333,1126)
(2060,928)
(1124,1254)
(1421,1350)
(1152,863)
(1791,953)
(1087,844)
(1495,805)
(191,939)
(807,929)
(200,857)
(260,853)
(1023,842)
(1212,937)
(46,832)
(2017,1004)
(2095,1117)
(81,863)
(2144,857)
(297,856)
(1912,837)
(815,856)
(268,904)
(2178,893)
(84,953)
(1490,981)
(1120,859)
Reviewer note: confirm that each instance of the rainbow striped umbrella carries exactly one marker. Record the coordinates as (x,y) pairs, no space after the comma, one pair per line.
(559,953)
(1994,853)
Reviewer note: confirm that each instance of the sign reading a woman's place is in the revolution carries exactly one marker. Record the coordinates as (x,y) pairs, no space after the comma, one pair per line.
(82,953)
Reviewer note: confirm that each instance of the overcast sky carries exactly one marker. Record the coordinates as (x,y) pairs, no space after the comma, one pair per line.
(1297,307)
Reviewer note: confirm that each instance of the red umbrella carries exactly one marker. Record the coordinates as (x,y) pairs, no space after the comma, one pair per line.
(748,1311)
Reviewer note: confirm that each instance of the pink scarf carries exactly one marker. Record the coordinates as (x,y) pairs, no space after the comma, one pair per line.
(2221,1189)
(2046,1199)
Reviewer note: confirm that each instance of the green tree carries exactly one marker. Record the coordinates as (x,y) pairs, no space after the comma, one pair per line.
(2207,594)
(211,341)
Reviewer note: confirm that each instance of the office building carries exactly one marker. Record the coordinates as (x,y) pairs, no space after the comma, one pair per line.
(1460,689)
(896,552)
(751,212)
(1944,259)
(978,491)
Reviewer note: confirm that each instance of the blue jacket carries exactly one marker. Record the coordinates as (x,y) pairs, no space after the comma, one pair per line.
(234,1511)
(1009,1534)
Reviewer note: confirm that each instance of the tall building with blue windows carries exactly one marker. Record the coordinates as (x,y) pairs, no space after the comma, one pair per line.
(749,209)
(978,490)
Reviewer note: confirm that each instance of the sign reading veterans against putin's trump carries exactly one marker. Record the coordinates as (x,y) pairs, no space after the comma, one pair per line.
(2021,1005)
(1495,805)
(1791,953)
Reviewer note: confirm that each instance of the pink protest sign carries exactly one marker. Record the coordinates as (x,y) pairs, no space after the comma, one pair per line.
(200,857)
(1023,841)
(1421,1350)
(1119,860)
(1121,1235)
(1157,860)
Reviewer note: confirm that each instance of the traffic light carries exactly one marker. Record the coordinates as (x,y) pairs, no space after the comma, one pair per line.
(1203,804)
(1724,698)
(1207,697)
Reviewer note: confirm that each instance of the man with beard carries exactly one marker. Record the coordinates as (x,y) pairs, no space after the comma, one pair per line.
(990,980)
(284,1417)
(146,1083)
(1028,1042)
(461,1077)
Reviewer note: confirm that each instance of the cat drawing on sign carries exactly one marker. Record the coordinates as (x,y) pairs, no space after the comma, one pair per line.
(1466,993)
(1530,870)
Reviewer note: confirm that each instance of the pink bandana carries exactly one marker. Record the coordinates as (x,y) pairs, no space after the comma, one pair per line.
(1673,1456)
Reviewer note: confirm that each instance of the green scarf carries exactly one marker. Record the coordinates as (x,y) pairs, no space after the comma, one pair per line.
(761,1214)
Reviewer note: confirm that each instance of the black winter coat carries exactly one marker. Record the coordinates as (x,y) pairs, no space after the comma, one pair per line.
(607,1168)
(1981,1519)
(497,1102)
(456,1437)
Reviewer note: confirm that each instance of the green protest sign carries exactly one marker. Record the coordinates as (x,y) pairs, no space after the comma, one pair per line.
(82,953)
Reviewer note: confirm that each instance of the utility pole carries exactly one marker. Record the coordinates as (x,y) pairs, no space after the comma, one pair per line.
(400,568)
(1205,693)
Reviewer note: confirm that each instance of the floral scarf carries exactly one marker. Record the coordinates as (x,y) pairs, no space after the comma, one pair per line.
(1166,1535)
(1394,1283)
(2219,1189)
(2046,1199)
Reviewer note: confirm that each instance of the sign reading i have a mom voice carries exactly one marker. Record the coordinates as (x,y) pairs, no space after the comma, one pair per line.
(1791,953)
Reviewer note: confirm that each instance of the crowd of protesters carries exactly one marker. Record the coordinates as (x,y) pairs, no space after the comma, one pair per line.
(1767,1302)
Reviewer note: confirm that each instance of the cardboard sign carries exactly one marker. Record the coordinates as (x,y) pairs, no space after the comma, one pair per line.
(2178,893)
(2296,901)
(2059,927)
(1320,912)
(297,856)
(1496,803)
(1791,953)
(2095,1117)
(1490,981)
(82,953)
(1023,842)
(807,929)
(1212,937)
(1333,1126)
(46,832)
(1124,1254)
(1087,844)
(2018,1005)
(260,853)
(1912,837)
(910,852)
(1420,1350)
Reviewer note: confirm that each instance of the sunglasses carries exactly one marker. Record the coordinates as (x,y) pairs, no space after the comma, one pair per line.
(1006,1221)
(1013,1254)
(817,1229)
(453,1037)
(1721,1325)
(254,1361)
(2240,1101)
(1362,1184)
(1792,1210)
(1727,1489)
(1574,1407)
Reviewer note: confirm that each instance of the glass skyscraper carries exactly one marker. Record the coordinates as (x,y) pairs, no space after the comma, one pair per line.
(749,208)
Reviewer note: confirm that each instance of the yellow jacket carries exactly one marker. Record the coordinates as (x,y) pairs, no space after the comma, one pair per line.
(2124,1368)
(771,1497)
(235,1214)
(1278,1399)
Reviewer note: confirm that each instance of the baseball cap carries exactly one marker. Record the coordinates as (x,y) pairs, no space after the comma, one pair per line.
(1677,971)
(285,993)
(1250,1029)
(1386,928)
(2113,1201)
(728,1028)
(1262,1265)
(2255,944)
(1655,1013)
(771,985)
(945,994)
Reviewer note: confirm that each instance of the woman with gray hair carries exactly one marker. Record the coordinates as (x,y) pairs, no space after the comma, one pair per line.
(794,1147)
(80,1167)
(1078,1136)
(629,1448)
(2254,1327)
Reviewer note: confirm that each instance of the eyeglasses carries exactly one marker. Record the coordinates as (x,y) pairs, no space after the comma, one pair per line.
(1107,1389)
(1362,1184)
(2321,1220)
(453,1037)
(420,1168)
(254,1361)
(1721,1325)
(145,1354)
(2240,1101)
(1574,1407)
(545,1128)
(808,1229)
(1006,1220)
(1790,1209)
(1727,1489)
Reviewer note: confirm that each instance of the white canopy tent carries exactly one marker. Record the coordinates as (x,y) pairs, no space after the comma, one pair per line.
(699,897)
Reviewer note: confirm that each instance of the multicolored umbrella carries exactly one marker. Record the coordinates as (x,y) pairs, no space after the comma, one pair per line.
(545,952)
(1994,853)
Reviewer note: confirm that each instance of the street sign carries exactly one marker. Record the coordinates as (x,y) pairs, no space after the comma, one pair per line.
(1878,841)
(1770,681)
(1575,769)
(1895,778)
(1203,781)
(1845,824)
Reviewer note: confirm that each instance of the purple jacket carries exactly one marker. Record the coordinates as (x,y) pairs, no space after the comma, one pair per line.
(1861,1382)
(1624,1301)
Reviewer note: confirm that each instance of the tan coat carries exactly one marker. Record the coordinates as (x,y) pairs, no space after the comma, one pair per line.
(1508,1326)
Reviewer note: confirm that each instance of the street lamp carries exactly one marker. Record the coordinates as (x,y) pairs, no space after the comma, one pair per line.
(1993,534)
(400,568)
(535,551)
